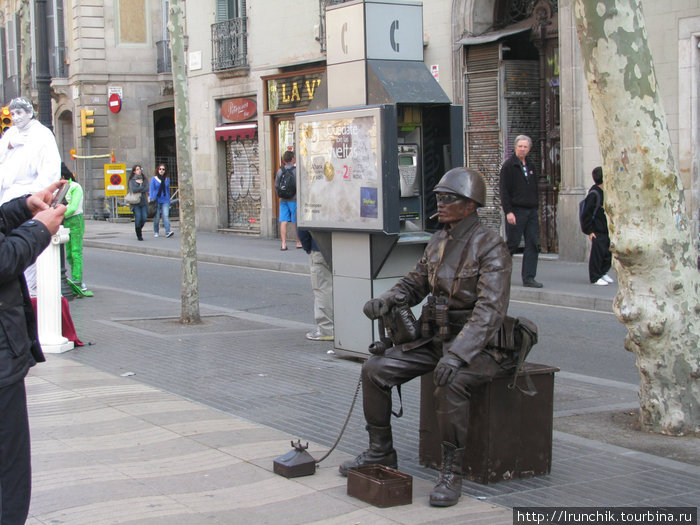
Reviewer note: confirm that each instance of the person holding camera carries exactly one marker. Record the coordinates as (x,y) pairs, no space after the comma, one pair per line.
(465,275)
(26,226)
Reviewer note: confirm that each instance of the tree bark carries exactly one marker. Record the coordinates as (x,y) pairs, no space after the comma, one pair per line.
(188,234)
(652,245)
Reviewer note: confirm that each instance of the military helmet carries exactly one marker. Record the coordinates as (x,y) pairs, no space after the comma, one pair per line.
(466,182)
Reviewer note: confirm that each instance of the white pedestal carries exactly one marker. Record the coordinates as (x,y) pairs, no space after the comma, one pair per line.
(48,296)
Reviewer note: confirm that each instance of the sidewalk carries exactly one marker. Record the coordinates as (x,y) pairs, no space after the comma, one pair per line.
(128,430)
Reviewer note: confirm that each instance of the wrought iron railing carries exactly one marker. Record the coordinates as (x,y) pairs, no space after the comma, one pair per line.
(163,62)
(229,48)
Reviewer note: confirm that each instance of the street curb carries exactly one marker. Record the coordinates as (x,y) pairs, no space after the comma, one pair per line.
(518,293)
(551,298)
(228,260)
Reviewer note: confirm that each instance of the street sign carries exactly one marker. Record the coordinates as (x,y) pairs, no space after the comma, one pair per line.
(115,103)
(115,180)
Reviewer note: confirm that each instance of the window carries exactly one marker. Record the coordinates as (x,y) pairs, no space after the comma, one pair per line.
(229,36)
(226,9)
(12,47)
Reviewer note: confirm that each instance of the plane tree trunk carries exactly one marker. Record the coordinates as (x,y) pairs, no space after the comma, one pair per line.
(654,254)
(188,234)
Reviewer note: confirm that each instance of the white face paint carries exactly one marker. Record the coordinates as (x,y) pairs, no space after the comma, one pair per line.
(20,117)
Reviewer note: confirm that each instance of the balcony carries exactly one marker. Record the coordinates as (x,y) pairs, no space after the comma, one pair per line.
(163,62)
(229,45)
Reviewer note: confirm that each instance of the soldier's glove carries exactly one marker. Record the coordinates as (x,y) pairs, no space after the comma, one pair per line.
(446,369)
(375,308)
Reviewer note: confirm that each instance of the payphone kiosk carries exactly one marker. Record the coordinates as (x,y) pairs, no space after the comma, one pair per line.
(367,199)
(377,138)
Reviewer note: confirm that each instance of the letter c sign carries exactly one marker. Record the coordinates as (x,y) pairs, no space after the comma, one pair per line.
(392,35)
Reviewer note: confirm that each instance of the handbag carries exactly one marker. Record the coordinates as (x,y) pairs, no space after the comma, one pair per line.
(132,198)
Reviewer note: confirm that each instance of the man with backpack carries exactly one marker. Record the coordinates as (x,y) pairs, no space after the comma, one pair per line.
(594,223)
(286,188)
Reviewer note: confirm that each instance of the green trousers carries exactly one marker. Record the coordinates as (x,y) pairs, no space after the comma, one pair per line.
(74,246)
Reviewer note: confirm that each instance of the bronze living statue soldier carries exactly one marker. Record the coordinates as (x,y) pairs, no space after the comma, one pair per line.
(466,268)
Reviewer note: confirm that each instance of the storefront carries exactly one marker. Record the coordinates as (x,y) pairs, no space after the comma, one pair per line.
(239,130)
(287,94)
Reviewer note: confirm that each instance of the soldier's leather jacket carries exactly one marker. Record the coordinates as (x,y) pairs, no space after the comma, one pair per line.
(470,265)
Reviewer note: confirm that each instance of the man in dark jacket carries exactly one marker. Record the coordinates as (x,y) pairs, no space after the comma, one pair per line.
(594,223)
(518,185)
(26,226)
(465,271)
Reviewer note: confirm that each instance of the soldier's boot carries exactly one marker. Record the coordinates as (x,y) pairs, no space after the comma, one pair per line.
(449,486)
(380,452)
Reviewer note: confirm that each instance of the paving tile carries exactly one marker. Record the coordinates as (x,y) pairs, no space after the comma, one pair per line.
(195,444)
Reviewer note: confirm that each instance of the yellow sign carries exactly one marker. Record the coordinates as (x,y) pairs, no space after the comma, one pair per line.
(115,180)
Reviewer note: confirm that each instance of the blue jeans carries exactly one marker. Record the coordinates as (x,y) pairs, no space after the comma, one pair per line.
(162,208)
(140,214)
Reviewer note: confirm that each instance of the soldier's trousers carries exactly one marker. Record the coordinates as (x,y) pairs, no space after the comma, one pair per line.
(395,367)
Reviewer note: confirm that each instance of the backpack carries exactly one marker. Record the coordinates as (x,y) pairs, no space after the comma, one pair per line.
(286,183)
(582,205)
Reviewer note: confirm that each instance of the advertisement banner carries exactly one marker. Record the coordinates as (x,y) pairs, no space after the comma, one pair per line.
(339,170)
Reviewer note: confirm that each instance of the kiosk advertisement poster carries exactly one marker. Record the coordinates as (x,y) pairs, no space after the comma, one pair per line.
(340,170)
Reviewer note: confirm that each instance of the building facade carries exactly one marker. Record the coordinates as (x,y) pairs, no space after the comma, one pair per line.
(514,65)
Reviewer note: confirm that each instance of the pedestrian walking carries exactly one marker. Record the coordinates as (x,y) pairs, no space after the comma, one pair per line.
(594,223)
(285,186)
(138,184)
(160,194)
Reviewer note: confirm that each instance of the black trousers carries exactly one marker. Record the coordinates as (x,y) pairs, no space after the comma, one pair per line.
(601,259)
(15,462)
(395,367)
(527,224)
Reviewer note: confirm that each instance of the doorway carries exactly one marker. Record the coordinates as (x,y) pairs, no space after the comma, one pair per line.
(165,149)
(284,139)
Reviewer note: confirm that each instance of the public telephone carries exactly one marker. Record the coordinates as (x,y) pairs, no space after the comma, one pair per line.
(409,170)
(410,208)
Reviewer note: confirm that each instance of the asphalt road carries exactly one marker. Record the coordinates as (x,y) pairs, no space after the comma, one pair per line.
(579,341)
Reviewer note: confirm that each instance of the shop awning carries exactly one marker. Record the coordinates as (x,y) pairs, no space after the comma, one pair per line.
(236,131)
(493,36)
(402,82)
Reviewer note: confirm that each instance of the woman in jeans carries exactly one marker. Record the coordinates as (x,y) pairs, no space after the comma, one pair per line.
(138,184)
(160,193)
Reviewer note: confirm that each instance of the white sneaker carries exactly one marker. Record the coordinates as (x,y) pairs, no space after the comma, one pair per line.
(316,335)
(601,282)
(607,278)
(155,235)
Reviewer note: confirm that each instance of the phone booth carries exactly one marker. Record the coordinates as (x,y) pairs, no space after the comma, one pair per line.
(367,161)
